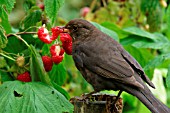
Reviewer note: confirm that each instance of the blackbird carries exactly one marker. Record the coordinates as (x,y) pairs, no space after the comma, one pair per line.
(106,65)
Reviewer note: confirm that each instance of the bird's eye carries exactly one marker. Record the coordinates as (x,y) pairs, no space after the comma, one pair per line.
(75,28)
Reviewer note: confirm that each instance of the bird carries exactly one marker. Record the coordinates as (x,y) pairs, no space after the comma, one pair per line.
(106,65)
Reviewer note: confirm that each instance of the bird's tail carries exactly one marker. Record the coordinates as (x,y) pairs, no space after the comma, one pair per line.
(148,99)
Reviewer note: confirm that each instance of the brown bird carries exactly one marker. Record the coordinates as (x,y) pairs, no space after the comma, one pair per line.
(106,65)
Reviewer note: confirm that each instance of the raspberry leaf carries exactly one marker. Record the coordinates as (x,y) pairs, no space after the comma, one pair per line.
(58,74)
(52,8)
(33,16)
(37,70)
(5,23)
(32,97)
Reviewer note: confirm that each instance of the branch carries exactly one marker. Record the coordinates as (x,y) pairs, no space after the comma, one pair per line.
(20,33)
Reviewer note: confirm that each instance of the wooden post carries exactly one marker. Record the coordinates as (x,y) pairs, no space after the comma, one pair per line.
(97,103)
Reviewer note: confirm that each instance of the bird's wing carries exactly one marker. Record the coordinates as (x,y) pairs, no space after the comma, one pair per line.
(110,65)
(135,65)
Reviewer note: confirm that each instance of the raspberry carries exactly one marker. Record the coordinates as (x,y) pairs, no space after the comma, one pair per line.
(68,48)
(55,32)
(55,50)
(41,6)
(24,77)
(57,59)
(84,11)
(65,38)
(20,61)
(43,35)
(48,63)
(61,51)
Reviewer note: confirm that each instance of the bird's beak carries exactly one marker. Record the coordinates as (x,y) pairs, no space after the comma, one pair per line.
(65,30)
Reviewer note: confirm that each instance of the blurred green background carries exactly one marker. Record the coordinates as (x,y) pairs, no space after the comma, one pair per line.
(141,26)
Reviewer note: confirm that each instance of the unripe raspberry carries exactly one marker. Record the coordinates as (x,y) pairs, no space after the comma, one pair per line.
(20,61)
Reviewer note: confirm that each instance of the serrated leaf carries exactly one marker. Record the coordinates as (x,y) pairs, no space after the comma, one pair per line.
(107,31)
(61,90)
(9,4)
(158,60)
(138,40)
(33,16)
(58,74)
(3,38)
(168,78)
(32,97)
(138,32)
(52,7)
(115,28)
(37,70)
(4,20)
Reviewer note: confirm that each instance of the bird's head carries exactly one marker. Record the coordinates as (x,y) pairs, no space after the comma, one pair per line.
(79,29)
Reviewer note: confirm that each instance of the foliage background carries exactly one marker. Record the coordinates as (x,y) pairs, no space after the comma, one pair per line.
(141,26)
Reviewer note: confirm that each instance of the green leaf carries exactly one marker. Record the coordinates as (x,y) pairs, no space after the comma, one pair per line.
(58,74)
(3,62)
(4,20)
(61,90)
(159,90)
(168,78)
(114,27)
(9,4)
(107,31)
(158,60)
(3,38)
(33,16)
(139,32)
(139,41)
(14,45)
(32,97)
(52,8)
(4,76)
(36,67)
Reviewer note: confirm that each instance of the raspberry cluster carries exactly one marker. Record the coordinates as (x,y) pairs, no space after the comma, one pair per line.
(57,51)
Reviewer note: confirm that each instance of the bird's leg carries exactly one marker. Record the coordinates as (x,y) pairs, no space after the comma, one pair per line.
(117,98)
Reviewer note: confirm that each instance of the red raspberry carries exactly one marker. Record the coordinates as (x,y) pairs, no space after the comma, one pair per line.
(43,35)
(48,63)
(41,6)
(65,38)
(24,77)
(55,50)
(57,59)
(84,11)
(61,51)
(68,48)
(55,32)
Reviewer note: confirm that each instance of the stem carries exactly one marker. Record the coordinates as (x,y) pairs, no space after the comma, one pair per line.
(19,37)
(20,33)
(7,56)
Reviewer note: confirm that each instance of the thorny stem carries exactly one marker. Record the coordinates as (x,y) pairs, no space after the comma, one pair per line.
(7,56)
